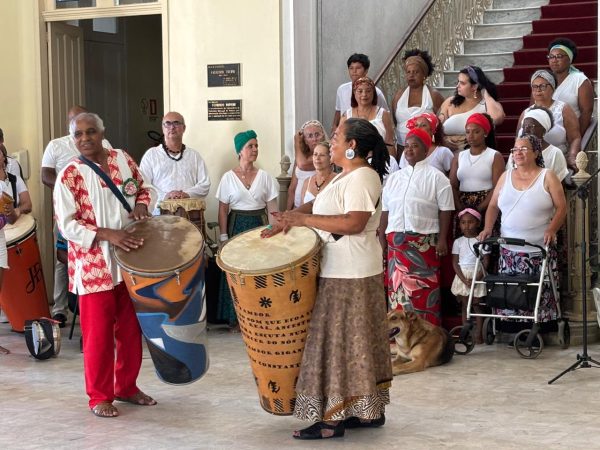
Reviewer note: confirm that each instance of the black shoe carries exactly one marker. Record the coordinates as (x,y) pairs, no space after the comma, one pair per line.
(315,431)
(355,422)
(61,319)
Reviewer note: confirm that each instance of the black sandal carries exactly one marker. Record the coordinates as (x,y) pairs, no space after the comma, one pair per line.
(355,422)
(315,431)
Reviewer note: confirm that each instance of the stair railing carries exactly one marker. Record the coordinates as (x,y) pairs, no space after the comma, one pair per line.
(441,29)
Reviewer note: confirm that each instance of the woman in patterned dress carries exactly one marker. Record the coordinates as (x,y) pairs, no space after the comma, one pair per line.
(345,373)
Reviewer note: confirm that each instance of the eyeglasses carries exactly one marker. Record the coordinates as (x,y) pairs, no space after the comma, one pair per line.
(540,87)
(557,56)
(520,149)
(174,124)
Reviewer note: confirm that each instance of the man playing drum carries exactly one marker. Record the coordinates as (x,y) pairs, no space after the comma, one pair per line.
(57,155)
(176,171)
(91,216)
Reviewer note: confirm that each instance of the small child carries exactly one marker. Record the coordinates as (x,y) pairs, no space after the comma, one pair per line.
(463,262)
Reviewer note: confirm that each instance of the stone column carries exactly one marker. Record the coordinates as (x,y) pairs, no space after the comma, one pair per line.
(577,268)
(284,180)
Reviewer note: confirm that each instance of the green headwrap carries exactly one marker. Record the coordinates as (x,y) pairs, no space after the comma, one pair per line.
(242,138)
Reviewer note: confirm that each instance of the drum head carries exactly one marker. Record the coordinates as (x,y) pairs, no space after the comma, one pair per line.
(22,228)
(170,243)
(249,253)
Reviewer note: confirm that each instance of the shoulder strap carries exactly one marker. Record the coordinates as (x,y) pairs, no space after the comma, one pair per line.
(13,184)
(111,185)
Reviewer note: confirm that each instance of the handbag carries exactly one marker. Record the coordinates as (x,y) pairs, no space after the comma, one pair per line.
(511,292)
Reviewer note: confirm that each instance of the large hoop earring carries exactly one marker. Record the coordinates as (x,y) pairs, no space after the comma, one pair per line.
(350,153)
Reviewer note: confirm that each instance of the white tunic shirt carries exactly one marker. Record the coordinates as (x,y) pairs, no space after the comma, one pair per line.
(189,174)
(414,196)
(568,91)
(357,255)
(440,158)
(232,191)
(344,97)
(60,151)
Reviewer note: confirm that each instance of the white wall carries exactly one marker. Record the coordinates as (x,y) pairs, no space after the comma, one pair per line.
(356,26)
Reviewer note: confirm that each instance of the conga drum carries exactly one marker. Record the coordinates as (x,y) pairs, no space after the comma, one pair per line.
(165,278)
(23,295)
(190,208)
(273,284)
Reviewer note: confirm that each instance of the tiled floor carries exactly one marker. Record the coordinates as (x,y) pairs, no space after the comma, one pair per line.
(490,398)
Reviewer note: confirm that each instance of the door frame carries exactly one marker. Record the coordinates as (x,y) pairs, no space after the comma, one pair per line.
(46,13)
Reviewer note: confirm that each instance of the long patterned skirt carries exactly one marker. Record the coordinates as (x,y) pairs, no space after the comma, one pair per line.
(523,263)
(237,222)
(413,278)
(346,368)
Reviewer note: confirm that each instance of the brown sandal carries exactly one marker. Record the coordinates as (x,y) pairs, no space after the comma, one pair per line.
(105,409)
(138,398)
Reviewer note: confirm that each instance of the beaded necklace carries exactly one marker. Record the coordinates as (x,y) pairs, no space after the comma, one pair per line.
(168,152)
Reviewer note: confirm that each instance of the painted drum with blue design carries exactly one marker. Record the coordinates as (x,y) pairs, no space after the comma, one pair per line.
(165,278)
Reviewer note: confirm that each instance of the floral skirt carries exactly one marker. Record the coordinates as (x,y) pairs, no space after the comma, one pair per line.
(346,367)
(413,275)
(525,263)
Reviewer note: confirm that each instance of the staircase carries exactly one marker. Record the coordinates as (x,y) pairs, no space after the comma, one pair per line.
(511,44)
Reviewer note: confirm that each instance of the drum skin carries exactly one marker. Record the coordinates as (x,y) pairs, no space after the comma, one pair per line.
(274,308)
(169,302)
(23,295)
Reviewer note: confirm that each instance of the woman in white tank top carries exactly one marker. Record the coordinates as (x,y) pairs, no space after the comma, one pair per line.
(324,173)
(476,170)
(475,93)
(364,106)
(533,207)
(572,86)
(565,133)
(417,97)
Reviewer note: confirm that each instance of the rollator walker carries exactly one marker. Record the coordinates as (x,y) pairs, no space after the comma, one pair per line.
(516,292)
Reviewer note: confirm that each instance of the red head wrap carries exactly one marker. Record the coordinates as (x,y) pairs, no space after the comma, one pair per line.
(481,120)
(431,118)
(420,134)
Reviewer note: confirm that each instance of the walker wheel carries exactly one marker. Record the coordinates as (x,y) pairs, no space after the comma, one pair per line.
(532,351)
(465,343)
(488,331)
(564,334)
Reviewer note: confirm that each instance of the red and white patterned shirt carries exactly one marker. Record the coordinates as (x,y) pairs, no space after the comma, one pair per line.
(82,204)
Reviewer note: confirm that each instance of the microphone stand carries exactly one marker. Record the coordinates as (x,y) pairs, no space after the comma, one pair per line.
(583,360)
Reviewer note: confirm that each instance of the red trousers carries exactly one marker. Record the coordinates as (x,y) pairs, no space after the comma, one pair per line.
(112,344)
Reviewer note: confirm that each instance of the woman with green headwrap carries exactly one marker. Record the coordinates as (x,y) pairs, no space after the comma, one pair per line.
(246,196)
(572,86)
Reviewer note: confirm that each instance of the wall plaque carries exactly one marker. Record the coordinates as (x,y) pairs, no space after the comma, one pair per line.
(224,110)
(220,75)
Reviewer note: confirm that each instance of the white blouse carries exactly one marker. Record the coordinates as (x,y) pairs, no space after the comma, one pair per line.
(232,191)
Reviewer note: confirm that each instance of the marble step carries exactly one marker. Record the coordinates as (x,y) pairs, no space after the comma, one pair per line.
(486,61)
(488,45)
(502,30)
(507,4)
(511,15)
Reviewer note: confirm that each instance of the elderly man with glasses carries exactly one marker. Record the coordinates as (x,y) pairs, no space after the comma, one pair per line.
(176,171)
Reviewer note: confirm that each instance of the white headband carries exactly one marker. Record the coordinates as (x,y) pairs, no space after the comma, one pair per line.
(541,116)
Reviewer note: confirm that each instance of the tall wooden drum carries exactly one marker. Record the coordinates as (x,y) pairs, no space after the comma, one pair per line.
(273,284)
(165,278)
(190,208)
(23,295)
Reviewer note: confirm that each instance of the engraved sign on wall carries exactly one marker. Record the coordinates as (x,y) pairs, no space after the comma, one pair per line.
(224,110)
(220,75)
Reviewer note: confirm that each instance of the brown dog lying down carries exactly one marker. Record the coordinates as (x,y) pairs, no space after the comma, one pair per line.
(420,344)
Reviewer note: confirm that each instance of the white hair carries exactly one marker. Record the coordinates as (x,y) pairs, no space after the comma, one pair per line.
(92,117)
